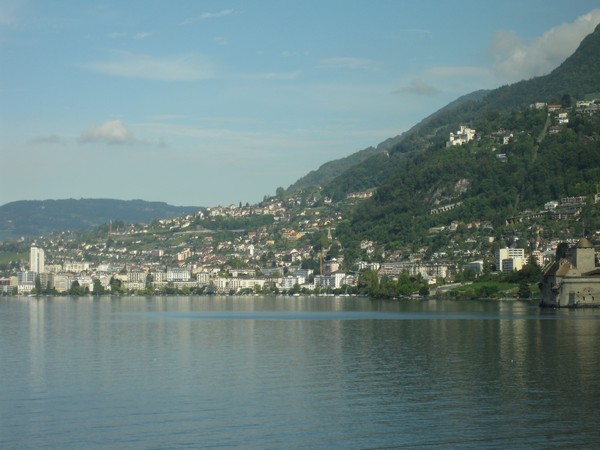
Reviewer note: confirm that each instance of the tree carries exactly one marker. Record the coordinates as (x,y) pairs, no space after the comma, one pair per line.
(562,250)
(38,284)
(368,282)
(98,288)
(149,280)
(524,290)
(76,289)
(424,290)
(115,285)
(404,285)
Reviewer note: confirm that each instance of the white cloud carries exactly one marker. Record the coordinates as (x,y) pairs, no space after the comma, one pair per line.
(514,59)
(214,15)
(175,68)
(110,132)
(209,15)
(346,62)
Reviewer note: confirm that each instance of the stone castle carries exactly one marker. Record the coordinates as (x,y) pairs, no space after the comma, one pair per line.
(573,281)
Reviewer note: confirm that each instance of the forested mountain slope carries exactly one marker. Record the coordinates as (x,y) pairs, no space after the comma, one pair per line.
(576,77)
(484,180)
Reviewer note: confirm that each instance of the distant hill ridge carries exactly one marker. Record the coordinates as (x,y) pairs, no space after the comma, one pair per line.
(330,170)
(36,217)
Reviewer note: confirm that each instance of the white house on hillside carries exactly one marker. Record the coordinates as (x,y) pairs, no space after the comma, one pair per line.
(462,136)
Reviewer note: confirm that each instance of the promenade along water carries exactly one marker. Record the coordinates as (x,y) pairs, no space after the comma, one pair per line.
(295,372)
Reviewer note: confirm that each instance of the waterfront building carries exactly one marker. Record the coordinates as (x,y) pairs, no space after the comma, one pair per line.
(178,274)
(333,281)
(47,280)
(289,282)
(572,281)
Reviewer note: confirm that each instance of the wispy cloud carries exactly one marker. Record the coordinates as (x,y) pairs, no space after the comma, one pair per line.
(120,35)
(52,139)
(420,32)
(514,59)
(110,132)
(220,40)
(273,76)
(116,35)
(189,67)
(347,62)
(417,86)
(142,35)
(457,71)
(209,15)
(216,15)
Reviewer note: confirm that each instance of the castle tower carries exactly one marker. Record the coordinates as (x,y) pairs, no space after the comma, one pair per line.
(585,256)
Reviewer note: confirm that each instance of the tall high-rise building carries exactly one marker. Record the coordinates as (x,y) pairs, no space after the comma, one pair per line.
(36,260)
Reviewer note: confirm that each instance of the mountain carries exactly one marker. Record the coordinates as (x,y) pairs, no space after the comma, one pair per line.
(332,169)
(36,217)
(576,77)
(420,174)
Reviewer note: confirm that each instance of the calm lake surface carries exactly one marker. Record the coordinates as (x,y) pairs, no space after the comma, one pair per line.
(296,372)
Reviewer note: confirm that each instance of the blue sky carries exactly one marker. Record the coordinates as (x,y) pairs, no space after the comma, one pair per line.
(216,102)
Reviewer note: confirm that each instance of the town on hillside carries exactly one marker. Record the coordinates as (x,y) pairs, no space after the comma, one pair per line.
(289,243)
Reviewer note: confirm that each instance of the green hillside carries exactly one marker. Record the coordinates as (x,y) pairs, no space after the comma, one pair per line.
(482,184)
(421,174)
(577,77)
(332,169)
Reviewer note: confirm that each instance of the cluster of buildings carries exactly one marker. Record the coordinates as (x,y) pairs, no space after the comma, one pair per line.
(565,208)
(460,137)
(156,277)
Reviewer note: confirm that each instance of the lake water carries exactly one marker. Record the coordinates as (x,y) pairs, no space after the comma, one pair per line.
(296,372)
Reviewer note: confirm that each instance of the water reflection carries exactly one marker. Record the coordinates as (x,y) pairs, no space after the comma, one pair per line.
(295,371)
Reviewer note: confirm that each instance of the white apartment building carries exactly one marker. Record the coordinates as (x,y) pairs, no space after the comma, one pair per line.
(178,274)
(289,282)
(333,281)
(76,267)
(36,260)
(509,259)
(235,284)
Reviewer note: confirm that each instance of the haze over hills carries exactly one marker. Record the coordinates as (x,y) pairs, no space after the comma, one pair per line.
(36,217)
